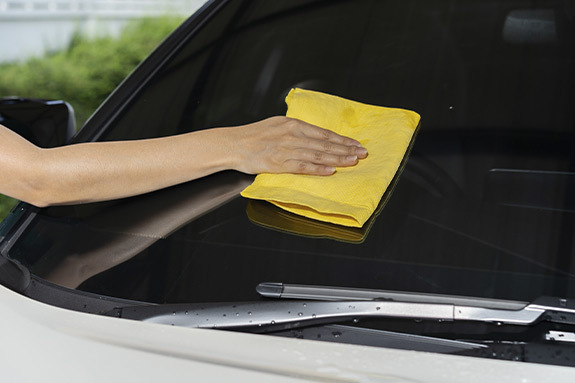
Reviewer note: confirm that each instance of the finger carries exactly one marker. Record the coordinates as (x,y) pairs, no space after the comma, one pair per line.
(308,168)
(328,147)
(322,158)
(318,133)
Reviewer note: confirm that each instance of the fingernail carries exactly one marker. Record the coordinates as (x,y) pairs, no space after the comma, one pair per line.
(351,158)
(361,150)
(330,169)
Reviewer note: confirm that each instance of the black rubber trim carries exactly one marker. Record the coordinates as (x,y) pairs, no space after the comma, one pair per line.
(49,293)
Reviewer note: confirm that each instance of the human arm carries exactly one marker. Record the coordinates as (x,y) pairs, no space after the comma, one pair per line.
(90,172)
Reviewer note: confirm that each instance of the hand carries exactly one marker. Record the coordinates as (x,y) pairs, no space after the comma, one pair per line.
(287,145)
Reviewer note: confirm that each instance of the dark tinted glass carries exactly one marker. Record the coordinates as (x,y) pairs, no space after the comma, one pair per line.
(485,205)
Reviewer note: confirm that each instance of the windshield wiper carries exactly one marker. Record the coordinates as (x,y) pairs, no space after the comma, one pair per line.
(273,315)
(330,293)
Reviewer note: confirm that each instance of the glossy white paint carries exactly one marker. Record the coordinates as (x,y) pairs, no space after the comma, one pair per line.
(39,342)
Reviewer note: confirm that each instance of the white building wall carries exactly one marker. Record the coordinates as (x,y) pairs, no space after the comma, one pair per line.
(31,28)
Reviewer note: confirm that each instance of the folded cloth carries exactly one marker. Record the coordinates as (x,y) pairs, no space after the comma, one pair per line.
(351,195)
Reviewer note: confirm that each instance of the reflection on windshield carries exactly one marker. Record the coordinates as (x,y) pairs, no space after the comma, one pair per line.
(272,217)
(105,238)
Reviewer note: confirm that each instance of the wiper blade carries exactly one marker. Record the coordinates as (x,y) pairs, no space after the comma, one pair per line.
(330,293)
(551,309)
(267,316)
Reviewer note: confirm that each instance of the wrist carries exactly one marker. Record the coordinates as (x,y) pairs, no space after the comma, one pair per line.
(226,149)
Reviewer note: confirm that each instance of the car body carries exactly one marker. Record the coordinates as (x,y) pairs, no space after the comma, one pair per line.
(478,221)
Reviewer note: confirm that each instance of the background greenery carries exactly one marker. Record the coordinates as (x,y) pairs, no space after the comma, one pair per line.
(84,73)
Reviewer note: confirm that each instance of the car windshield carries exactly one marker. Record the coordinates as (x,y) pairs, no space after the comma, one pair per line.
(484,206)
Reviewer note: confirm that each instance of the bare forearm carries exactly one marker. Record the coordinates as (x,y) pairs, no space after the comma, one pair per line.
(99,171)
(108,170)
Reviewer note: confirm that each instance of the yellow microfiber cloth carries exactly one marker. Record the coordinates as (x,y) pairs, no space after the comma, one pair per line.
(351,195)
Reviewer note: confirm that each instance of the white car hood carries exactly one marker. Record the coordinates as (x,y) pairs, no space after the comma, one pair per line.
(40,342)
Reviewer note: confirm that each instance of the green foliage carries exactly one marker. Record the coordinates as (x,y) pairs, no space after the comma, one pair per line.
(86,72)
(6,204)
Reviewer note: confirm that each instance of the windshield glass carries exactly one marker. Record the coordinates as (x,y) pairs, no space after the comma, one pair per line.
(485,205)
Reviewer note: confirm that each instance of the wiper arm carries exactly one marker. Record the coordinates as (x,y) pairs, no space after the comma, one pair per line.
(273,315)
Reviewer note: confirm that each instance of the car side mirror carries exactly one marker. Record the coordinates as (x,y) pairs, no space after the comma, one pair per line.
(45,123)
